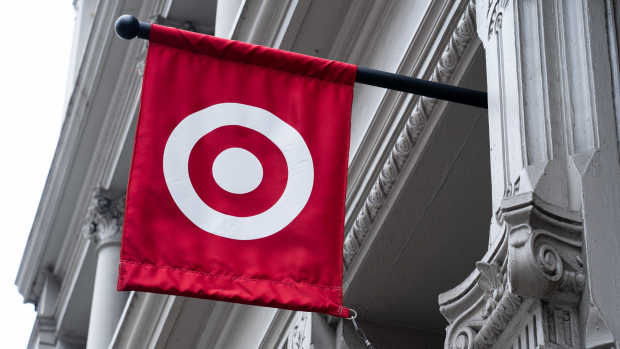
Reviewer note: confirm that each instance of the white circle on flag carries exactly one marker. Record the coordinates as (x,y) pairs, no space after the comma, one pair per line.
(237,171)
(288,140)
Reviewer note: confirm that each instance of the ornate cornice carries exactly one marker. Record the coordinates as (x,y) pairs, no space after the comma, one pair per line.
(462,37)
(104,219)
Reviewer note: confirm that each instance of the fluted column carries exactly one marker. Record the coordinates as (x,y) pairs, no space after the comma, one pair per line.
(103,228)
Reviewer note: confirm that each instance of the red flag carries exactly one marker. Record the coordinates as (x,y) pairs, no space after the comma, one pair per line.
(238,177)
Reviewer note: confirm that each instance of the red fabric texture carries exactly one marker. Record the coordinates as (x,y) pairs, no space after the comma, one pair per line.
(298,267)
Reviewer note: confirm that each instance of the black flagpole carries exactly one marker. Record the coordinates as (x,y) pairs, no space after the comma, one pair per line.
(128,27)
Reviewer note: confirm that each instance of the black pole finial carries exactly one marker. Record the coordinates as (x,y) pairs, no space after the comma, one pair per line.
(127,27)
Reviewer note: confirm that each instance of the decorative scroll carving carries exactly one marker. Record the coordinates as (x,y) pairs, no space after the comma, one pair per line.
(500,304)
(495,13)
(462,37)
(542,265)
(493,283)
(484,334)
(545,254)
(464,339)
(497,322)
(104,219)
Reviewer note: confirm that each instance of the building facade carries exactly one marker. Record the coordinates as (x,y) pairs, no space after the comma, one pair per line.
(465,227)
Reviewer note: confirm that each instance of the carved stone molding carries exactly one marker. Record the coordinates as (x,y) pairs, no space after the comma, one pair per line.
(540,262)
(499,319)
(463,36)
(104,219)
(554,210)
(486,335)
(495,14)
(496,309)
(544,254)
(543,325)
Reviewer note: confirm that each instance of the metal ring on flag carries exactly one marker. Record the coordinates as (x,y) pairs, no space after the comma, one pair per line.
(292,145)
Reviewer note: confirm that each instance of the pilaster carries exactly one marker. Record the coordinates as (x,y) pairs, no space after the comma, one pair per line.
(551,122)
(44,334)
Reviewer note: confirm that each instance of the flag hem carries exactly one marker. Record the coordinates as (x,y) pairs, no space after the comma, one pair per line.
(139,276)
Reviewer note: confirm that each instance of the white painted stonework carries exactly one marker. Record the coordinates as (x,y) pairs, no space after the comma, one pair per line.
(103,227)
(465,228)
(550,276)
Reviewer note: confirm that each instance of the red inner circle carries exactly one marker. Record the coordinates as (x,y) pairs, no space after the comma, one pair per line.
(275,171)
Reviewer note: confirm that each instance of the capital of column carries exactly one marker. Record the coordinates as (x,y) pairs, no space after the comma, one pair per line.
(104,219)
(533,280)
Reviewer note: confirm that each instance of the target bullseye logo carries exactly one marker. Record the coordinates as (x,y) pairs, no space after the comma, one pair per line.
(238,171)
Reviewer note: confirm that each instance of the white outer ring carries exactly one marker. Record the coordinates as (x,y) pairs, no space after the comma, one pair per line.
(298,160)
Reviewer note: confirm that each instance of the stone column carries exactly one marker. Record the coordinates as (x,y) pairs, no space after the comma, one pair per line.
(103,228)
(551,276)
